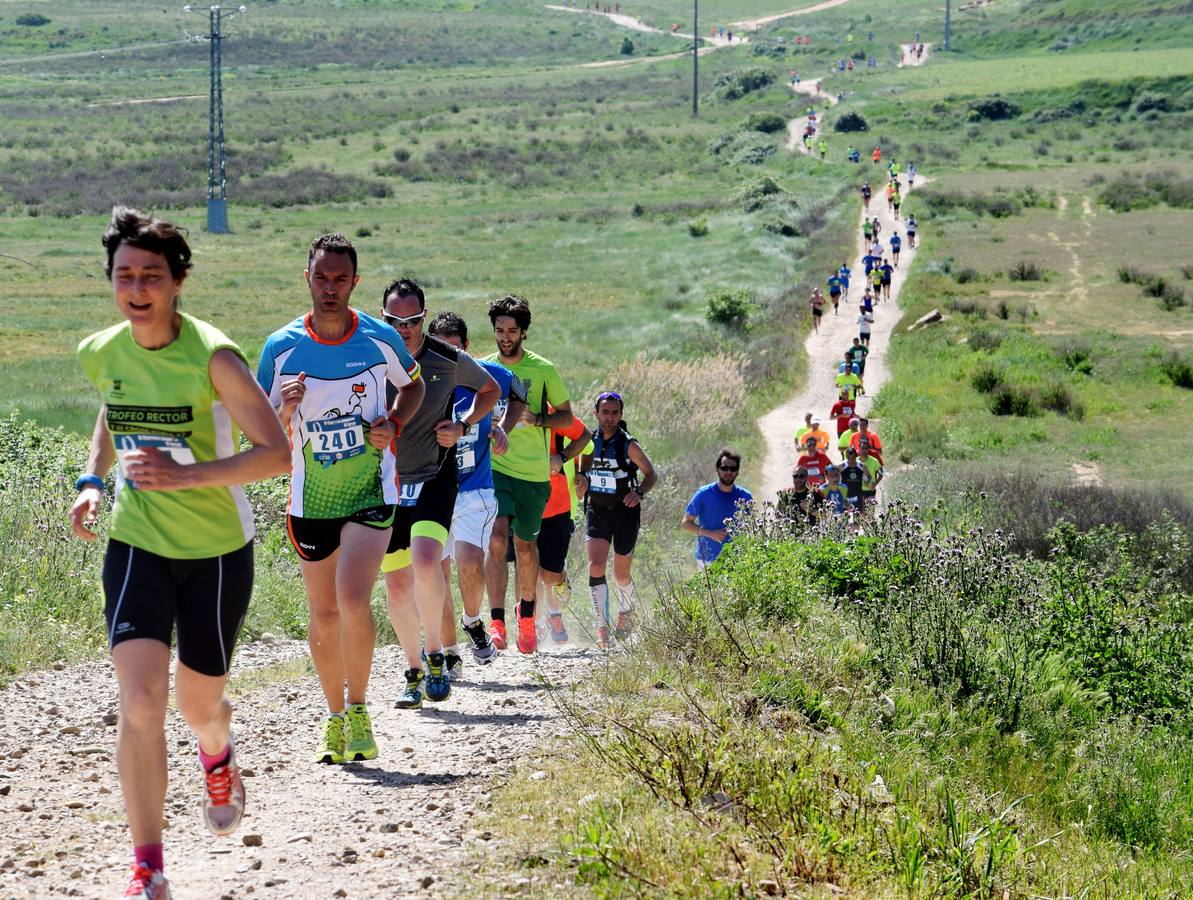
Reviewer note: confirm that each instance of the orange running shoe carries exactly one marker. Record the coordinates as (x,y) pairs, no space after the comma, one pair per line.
(497,634)
(528,636)
(603,642)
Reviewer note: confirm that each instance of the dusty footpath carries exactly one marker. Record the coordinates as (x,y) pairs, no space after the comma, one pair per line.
(402,824)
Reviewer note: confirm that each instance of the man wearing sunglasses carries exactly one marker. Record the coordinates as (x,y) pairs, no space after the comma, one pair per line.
(522,475)
(712,508)
(327,374)
(428,482)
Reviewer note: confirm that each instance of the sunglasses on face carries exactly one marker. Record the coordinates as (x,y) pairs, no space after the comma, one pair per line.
(727,468)
(404,321)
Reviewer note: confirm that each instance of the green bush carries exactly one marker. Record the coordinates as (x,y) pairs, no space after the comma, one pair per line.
(1009,400)
(758,194)
(994,108)
(627,47)
(1025,270)
(699,228)
(32,20)
(736,84)
(987,378)
(1178,370)
(766,122)
(728,306)
(850,122)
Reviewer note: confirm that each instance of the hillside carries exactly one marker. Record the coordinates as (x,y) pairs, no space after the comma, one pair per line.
(983,692)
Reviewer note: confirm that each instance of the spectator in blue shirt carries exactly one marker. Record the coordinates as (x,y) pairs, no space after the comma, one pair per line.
(710,512)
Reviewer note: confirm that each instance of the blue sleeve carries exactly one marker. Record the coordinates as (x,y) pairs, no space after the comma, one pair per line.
(501,375)
(695,507)
(266,369)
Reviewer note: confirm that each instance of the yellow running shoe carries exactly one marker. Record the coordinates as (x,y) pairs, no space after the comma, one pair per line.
(331,748)
(360,744)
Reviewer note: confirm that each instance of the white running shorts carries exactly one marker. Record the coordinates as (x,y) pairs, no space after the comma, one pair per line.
(472,520)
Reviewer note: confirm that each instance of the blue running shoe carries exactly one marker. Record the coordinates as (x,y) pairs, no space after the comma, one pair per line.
(438,683)
(412,697)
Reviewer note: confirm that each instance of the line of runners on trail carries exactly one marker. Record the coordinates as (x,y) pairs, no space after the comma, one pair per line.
(405,454)
(849,485)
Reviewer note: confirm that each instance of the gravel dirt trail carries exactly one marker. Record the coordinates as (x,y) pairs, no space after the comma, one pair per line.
(399,825)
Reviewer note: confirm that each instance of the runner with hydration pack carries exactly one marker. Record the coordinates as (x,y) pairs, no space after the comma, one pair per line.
(609,480)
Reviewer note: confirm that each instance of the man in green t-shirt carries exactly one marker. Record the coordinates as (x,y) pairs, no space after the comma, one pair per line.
(522,475)
(848,381)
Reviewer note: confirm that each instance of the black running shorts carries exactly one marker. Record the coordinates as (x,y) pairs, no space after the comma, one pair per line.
(147,596)
(555,536)
(429,514)
(617,524)
(317,539)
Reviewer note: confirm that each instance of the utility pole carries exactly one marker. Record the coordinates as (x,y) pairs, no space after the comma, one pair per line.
(948,24)
(217,170)
(695,58)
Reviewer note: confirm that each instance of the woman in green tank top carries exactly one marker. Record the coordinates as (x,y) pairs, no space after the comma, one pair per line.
(174,392)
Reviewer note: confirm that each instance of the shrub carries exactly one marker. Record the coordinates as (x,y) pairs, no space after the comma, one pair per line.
(766,122)
(1025,270)
(736,84)
(1008,400)
(1129,274)
(987,378)
(850,122)
(1057,397)
(699,228)
(994,108)
(729,307)
(1076,356)
(755,153)
(989,339)
(967,274)
(627,47)
(401,154)
(1172,297)
(32,20)
(756,195)
(1178,370)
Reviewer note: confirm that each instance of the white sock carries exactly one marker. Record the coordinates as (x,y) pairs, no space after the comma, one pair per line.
(598,590)
(469,620)
(626,595)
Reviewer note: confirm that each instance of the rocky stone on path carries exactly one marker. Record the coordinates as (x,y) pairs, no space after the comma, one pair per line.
(252,840)
(926,319)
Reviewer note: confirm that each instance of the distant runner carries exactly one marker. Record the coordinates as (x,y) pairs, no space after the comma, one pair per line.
(814,462)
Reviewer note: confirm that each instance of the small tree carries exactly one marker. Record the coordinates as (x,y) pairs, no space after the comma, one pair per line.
(851,122)
(627,47)
(728,306)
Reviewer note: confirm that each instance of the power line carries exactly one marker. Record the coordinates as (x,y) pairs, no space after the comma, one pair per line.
(217,168)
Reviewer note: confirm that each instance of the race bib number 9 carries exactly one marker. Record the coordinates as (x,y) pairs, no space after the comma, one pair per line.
(602,481)
(335,439)
(176,447)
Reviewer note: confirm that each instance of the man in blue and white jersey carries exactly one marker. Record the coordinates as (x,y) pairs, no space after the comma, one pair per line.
(326,374)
